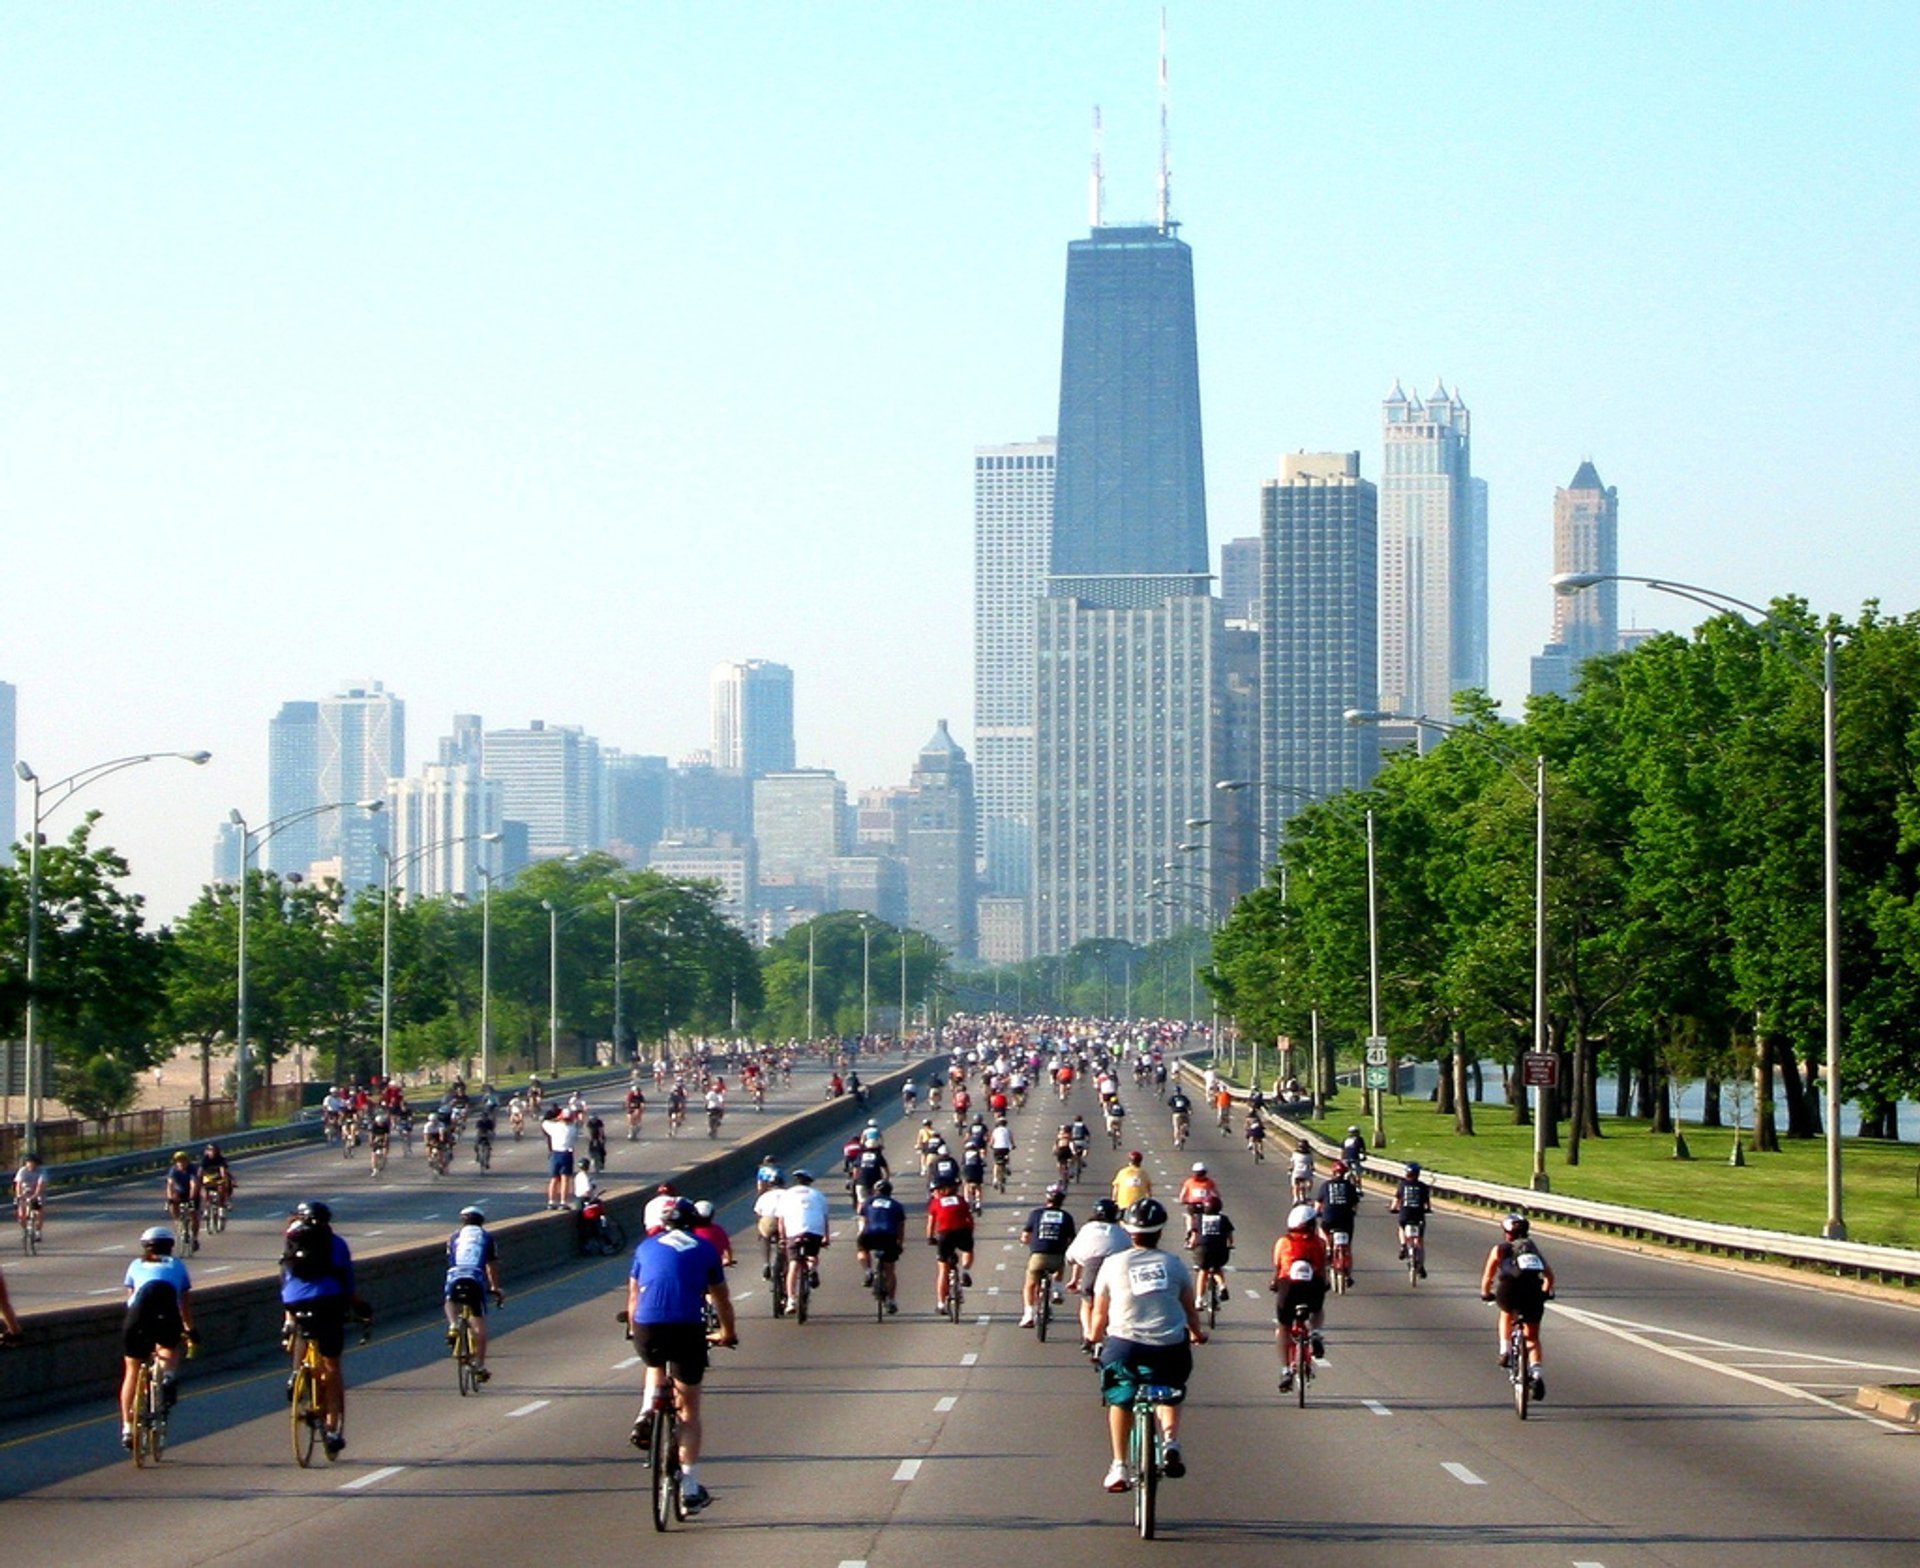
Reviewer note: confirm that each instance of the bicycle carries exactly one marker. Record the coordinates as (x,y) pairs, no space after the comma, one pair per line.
(883,1287)
(186,1227)
(1210,1301)
(1413,1247)
(1043,1305)
(1146,1456)
(303,1394)
(804,1294)
(377,1160)
(1181,1127)
(469,1376)
(150,1411)
(1520,1367)
(219,1201)
(1257,1147)
(30,1235)
(955,1292)
(1000,1158)
(1340,1262)
(483,1152)
(1300,1354)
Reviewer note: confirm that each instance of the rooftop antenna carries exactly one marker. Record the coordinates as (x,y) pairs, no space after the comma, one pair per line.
(1166,168)
(1097,185)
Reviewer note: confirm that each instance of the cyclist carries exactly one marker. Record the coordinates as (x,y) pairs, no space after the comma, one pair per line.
(1413,1202)
(883,1231)
(923,1144)
(473,1271)
(950,1228)
(1299,1280)
(1063,1152)
(1092,1245)
(1000,1145)
(1223,1108)
(1144,1313)
(184,1195)
(869,1167)
(1131,1182)
(216,1176)
(379,1138)
(1194,1191)
(30,1195)
(909,1097)
(1116,1115)
(1353,1149)
(1339,1206)
(676,1107)
(803,1217)
(636,1109)
(973,1175)
(945,1167)
(710,1230)
(1182,1109)
(1300,1170)
(596,1138)
(1082,1136)
(439,1138)
(674,1275)
(159,1316)
(317,1286)
(716,1103)
(1518,1277)
(1210,1237)
(1048,1234)
(1257,1138)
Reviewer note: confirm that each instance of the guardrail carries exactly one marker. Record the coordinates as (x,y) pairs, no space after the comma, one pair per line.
(1857,1259)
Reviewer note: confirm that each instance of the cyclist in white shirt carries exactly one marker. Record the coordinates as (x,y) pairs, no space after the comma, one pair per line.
(473,1270)
(803,1220)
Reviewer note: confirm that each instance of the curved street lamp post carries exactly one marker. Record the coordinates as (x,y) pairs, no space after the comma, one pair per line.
(395,863)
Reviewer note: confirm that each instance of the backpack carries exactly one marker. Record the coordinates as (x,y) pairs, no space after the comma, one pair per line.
(309,1254)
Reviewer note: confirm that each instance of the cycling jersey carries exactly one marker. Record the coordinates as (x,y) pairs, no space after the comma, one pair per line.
(1413,1201)
(1051,1230)
(469,1250)
(950,1213)
(1212,1239)
(675,1270)
(883,1217)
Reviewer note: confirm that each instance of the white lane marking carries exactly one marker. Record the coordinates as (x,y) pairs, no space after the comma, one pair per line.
(1253,1295)
(373,1233)
(942,1406)
(116,1247)
(1637,1333)
(971,1358)
(108,1290)
(1577,1564)
(631,1361)
(909,1468)
(1376,1407)
(993,1290)
(861,1562)
(1461,1473)
(1000,1266)
(743,1295)
(985,1317)
(528,1409)
(371,1477)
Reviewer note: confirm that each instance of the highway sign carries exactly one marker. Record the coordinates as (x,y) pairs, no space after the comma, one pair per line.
(1376,1050)
(1376,1077)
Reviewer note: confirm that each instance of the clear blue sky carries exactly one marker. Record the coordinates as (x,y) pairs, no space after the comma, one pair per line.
(534,358)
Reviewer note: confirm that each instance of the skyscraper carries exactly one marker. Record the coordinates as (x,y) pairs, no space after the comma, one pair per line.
(448,808)
(940,837)
(550,780)
(799,827)
(1240,580)
(753,717)
(1127,692)
(1012,524)
(1433,556)
(362,744)
(293,785)
(1319,653)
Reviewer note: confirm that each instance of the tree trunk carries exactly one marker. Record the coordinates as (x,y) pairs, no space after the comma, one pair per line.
(1663,1120)
(1462,1104)
(1798,1124)
(206,1069)
(1479,1081)
(1644,1075)
(1710,1102)
(1766,1131)
(1517,1096)
(1577,1100)
(1622,1089)
(1816,1109)
(1443,1087)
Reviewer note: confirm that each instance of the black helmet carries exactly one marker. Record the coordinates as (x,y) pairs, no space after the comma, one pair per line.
(1106,1209)
(314,1212)
(680,1215)
(1148,1217)
(1515,1225)
(884,1188)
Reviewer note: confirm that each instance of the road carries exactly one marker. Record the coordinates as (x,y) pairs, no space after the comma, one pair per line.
(1694,1418)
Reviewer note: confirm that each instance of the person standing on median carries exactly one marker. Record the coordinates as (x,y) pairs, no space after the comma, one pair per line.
(562,1133)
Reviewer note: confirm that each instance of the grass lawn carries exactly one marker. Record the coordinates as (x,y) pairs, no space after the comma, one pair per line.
(1632,1166)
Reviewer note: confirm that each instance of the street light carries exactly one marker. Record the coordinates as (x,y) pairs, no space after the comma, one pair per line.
(252,840)
(487,877)
(866,977)
(395,863)
(62,790)
(1538,785)
(1835,1228)
(619,1005)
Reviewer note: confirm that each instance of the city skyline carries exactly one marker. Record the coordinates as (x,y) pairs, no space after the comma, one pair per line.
(417,390)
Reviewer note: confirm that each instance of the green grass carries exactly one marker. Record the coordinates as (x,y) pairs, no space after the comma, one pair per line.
(1632,1166)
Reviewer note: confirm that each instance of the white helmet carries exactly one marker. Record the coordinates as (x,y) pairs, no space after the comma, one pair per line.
(1301,1216)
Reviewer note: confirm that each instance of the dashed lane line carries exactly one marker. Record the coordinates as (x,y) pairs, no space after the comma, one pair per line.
(1376,1407)
(371,1478)
(909,1468)
(970,1359)
(622,1366)
(942,1405)
(529,1408)
(1461,1473)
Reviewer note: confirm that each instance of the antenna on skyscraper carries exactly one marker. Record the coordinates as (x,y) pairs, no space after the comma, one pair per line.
(1097,186)
(1166,163)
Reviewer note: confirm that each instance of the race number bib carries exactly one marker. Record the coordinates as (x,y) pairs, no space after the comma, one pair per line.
(1147,1276)
(1341,1238)
(1301,1269)
(1530,1263)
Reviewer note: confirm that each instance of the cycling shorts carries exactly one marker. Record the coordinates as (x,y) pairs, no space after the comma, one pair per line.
(1308,1293)
(1126,1363)
(146,1328)
(1039,1263)
(323,1319)
(1411,1220)
(805,1245)
(884,1245)
(1211,1255)
(679,1347)
(1524,1295)
(952,1243)
(468,1292)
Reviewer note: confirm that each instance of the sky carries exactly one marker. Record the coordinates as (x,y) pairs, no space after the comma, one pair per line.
(533,359)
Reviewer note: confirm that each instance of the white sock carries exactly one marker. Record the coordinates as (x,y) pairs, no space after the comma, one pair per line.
(687,1477)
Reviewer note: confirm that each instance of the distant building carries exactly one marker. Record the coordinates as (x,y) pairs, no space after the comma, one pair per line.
(633,804)
(1240,581)
(1586,538)
(876,884)
(799,828)
(1012,524)
(293,785)
(363,746)
(1234,832)
(1003,928)
(704,799)
(1319,650)
(940,838)
(721,858)
(437,822)
(1433,556)
(549,777)
(229,841)
(880,819)
(753,717)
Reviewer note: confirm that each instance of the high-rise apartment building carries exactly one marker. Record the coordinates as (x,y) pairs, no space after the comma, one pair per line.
(940,838)
(1240,580)
(633,802)
(799,828)
(1319,650)
(753,717)
(1126,681)
(1586,538)
(550,779)
(9,755)
(437,830)
(293,785)
(1433,556)
(363,745)
(1012,526)
(724,859)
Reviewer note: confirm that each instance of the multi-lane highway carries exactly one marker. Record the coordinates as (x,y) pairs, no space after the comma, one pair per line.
(1697,1415)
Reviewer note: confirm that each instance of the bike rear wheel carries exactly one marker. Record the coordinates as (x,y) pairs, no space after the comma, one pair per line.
(1521,1373)
(664,1461)
(953,1301)
(305,1411)
(463,1355)
(1145,1459)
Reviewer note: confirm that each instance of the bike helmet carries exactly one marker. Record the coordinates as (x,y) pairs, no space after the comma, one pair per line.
(181,1157)
(884,1188)
(1199,1167)
(1210,1204)
(1056,1192)
(1106,1209)
(314,1212)
(472,1215)
(703,1209)
(1148,1217)
(212,1148)
(157,1238)
(679,1215)
(1516,1225)
(1339,1168)
(1353,1132)
(1135,1158)
(1413,1167)
(1302,1216)
(803,1178)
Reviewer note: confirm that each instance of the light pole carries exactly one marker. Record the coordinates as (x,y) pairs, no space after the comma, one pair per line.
(1373,983)
(62,790)
(553,986)
(866,978)
(903,993)
(1537,786)
(619,1002)
(1835,1228)
(810,926)
(251,840)
(486,876)
(395,863)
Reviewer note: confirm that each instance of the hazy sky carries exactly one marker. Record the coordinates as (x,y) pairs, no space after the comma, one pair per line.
(534,358)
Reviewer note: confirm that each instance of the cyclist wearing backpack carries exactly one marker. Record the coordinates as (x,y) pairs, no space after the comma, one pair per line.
(1520,1279)
(317,1287)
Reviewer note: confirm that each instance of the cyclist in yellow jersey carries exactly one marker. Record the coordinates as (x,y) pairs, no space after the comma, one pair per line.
(1132,1183)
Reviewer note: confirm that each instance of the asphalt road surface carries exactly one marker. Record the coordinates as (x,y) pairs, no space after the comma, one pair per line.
(1697,1415)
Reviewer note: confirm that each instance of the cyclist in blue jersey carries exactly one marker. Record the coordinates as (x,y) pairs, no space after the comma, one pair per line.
(159,1316)
(883,1231)
(317,1287)
(473,1270)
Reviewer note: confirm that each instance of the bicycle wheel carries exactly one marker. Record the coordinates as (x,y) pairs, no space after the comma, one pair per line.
(463,1354)
(153,1419)
(879,1298)
(1521,1373)
(1302,1367)
(1145,1455)
(305,1410)
(663,1459)
(800,1301)
(1213,1302)
(29,1239)
(1043,1308)
(142,1390)
(953,1300)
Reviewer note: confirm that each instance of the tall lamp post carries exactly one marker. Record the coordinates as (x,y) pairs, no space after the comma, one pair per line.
(1537,786)
(1835,1228)
(394,864)
(619,995)
(866,978)
(61,791)
(486,875)
(251,841)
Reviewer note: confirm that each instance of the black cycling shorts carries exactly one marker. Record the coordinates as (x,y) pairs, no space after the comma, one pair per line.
(144,1330)
(470,1293)
(1523,1295)
(679,1347)
(1308,1293)
(885,1247)
(952,1243)
(323,1319)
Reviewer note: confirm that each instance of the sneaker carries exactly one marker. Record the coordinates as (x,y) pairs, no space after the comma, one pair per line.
(813,1279)
(335,1443)
(126,1436)
(1059,1300)
(1117,1480)
(1319,1348)
(1286,1381)
(1172,1464)
(1026,1318)
(481,1374)
(452,1335)
(1422,1271)
(940,1305)
(966,1279)
(642,1434)
(1403,1252)
(867,1279)
(694,1496)
(1539,1385)
(766,1272)
(1505,1359)
(892,1307)
(169,1392)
